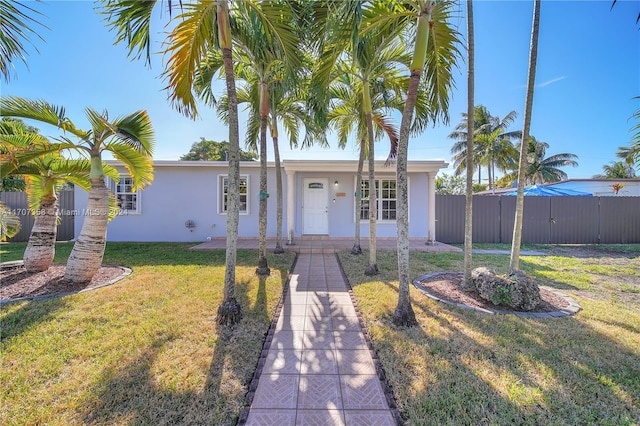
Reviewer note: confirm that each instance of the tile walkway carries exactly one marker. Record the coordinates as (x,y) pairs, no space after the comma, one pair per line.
(318,367)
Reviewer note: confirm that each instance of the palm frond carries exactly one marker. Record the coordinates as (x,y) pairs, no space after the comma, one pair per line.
(193,37)
(136,130)
(9,223)
(139,166)
(17,24)
(131,19)
(39,110)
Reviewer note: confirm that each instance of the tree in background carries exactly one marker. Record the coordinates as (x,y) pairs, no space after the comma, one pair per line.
(616,170)
(208,150)
(492,143)
(541,169)
(450,185)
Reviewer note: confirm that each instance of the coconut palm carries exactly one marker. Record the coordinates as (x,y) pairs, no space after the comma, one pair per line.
(616,170)
(435,51)
(17,23)
(129,138)
(514,260)
(491,143)
(203,26)
(541,169)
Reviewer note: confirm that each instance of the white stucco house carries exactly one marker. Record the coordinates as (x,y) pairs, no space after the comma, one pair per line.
(187,201)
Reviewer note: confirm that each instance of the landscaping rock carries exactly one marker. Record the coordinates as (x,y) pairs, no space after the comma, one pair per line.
(517,291)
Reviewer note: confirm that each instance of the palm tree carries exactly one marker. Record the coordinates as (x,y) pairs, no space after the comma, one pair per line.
(347,116)
(259,62)
(631,154)
(17,24)
(203,26)
(514,261)
(434,48)
(129,138)
(491,142)
(616,170)
(542,170)
(43,175)
(468,211)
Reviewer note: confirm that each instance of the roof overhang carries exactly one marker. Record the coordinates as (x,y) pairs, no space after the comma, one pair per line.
(306,165)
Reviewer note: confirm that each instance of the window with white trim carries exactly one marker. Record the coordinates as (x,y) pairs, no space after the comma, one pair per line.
(223,191)
(127,198)
(385,197)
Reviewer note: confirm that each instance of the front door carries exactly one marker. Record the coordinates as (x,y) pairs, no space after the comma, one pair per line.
(316,206)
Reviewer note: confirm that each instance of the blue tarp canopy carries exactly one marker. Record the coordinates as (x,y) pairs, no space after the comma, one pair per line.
(548,191)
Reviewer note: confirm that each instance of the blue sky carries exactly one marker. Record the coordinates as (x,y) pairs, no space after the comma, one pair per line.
(588,74)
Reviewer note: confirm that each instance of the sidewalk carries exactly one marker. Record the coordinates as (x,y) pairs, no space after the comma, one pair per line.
(319,367)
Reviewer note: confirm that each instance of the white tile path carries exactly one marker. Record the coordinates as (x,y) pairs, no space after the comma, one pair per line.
(319,368)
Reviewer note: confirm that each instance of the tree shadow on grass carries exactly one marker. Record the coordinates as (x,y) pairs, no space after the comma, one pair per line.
(466,367)
(136,394)
(17,317)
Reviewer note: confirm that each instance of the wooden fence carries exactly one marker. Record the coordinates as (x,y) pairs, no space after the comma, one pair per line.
(17,202)
(547,220)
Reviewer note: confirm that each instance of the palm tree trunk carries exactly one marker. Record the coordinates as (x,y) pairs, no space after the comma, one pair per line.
(514,261)
(41,247)
(276,156)
(357,249)
(87,253)
(230,311)
(372,268)
(263,267)
(467,283)
(403,314)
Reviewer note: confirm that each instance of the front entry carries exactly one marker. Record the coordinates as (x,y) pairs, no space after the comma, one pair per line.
(316,206)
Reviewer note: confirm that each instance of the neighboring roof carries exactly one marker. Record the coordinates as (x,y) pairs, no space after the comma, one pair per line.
(536,190)
(592,180)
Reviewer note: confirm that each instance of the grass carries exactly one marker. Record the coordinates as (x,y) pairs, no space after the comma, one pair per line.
(465,367)
(146,350)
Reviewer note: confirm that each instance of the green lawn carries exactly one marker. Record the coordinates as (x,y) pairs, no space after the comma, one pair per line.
(466,367)
(143,351)
(147,350)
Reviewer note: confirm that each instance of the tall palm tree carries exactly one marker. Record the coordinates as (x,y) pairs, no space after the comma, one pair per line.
(260,63)
(616,170)
(129,138)
(434,51)
(541,169)
(203,26)
(514,260)
(17,23)
(467,283)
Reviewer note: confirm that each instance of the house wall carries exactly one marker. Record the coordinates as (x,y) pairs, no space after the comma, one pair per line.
(342,212)
(178,194)
(181,193)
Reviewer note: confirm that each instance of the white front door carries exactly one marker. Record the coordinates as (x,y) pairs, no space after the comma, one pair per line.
(316,206)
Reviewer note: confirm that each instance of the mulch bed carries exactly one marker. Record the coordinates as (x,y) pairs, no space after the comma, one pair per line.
(447,286)
(18,283)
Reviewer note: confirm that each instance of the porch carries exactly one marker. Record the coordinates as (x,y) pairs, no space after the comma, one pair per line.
(325,244)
